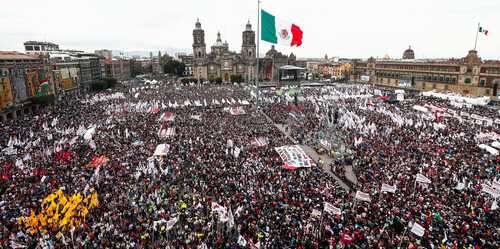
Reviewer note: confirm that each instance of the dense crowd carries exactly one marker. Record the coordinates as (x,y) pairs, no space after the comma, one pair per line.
(215,188)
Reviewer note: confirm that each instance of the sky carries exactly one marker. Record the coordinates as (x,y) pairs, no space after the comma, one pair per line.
(349,29)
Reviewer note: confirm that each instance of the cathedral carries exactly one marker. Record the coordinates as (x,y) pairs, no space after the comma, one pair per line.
(222,63)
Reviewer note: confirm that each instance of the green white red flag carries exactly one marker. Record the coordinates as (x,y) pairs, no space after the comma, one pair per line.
(483,30)
(278,31)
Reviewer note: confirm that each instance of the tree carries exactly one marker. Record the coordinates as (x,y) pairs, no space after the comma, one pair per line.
(44,100)
(174,67)
(236,78)
(103,84)
(165,59)
(189,80)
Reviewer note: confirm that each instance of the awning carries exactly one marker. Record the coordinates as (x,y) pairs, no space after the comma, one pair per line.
(291,67)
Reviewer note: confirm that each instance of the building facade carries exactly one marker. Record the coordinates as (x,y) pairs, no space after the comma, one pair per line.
(105,53)
(40,48)
(270,64)
(95,65)
(66,71)
(469,75)
(20,77)
(188,62)
(220,62)
(119,69)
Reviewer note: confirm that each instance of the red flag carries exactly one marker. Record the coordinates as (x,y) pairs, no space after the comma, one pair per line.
(347,239)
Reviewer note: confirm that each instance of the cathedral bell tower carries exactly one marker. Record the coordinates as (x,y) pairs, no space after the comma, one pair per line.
(248,47)
(199,47)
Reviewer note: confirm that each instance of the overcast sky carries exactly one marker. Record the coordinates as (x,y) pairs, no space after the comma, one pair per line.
(354,28)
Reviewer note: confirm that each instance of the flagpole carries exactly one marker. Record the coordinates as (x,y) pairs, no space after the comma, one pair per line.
(477,33)
(257,54)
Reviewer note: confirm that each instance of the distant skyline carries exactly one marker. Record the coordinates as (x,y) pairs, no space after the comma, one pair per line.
(352,29)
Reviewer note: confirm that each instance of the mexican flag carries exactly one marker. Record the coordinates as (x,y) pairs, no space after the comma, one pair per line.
(275,30)
(44,84)
(482,30)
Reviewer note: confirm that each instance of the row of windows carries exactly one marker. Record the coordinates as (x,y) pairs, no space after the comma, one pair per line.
(491,71)
(419,77)
(421,68)
(436,78)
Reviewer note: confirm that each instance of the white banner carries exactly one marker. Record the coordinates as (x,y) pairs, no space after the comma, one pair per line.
(362,196)
(418,229)
(423,179)
(388,188)
(490,190)
(331,209)
(294,157)
(196,117)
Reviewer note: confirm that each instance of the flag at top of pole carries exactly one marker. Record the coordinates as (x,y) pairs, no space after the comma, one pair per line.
(482,30)
(277,31)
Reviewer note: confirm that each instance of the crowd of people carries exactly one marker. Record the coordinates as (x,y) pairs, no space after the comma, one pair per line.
(391,144)
(213,187)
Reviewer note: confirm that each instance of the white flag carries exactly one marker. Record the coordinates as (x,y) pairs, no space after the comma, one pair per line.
(92,144)
(423,179)
(231,218)
(19,163)
(316,213)
(242,241)
(362,196)
(460,186)
(238,210)
(158,222)
(418,229)
(237,152)
(89,133)
(388,188)
(494,205)
(217,208)
(496,184)
(171,223)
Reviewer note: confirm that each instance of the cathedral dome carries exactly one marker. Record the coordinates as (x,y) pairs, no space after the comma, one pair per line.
(218,43)
(409,54)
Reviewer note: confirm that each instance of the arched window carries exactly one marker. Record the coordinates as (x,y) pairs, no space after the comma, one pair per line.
(249,53)
(199,53)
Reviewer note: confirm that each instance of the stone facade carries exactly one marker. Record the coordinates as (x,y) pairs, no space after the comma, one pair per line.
(220,62)
(469,75)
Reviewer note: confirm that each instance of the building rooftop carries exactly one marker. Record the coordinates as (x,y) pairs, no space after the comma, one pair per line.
(40,43)
(13,55)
